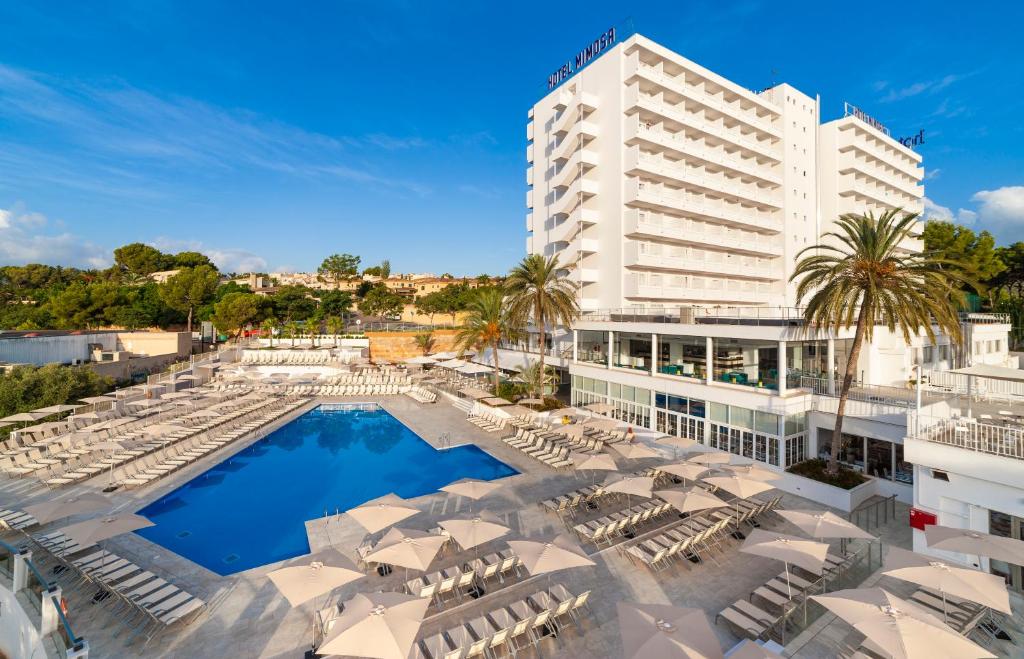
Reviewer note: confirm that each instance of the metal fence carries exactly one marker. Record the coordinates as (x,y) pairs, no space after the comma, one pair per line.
(1004,439)
(696,315)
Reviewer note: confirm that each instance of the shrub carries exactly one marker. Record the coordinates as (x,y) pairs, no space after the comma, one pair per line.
(817,469)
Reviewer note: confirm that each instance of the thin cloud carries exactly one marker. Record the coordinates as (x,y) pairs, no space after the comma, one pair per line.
(917,88)
(25,237)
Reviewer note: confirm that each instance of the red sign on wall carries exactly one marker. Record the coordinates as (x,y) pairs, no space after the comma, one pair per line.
(919,519)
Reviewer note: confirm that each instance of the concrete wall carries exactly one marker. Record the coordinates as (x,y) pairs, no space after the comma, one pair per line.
(836,497)
(398,346)
(67,348)
(19,635)
(128,368)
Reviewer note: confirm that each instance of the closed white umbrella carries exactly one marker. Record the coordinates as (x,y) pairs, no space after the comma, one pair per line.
(380,625)
(899,628)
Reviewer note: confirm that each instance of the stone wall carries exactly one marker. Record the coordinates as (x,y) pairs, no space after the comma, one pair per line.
(398,346)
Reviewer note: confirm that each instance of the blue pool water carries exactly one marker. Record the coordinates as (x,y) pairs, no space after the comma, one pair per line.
(250,509)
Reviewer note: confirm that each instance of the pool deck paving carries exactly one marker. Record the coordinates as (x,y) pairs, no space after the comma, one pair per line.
(247,617)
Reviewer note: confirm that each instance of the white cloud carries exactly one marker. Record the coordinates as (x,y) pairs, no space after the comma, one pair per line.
(930,86)
(933,211)
(24,239)
(1002,207)
(227,259)
(932,174)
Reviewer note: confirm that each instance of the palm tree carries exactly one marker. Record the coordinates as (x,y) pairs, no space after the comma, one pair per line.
(425,342)
(335,326)
(312,328)
(294,330)
(487,323)
(536,377)
(269,325)
(536,290)
(857,275)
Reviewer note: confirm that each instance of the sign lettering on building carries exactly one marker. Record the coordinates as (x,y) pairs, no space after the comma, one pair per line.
(854,111)
(913,140)
(584,57)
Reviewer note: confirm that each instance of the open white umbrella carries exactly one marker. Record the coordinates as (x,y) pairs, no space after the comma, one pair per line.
(47,511)
(56,409)
(658,631)
(899,628)
(475,531)
(92,400)
(822,524)
(748,649)
(442,356)
(595,462)
(691,499)
(752,470)
(421,360)
(974,585)
(308,577)
(573,430)
(96,530)
(709,457)
(23,417)
(600,408)
(381,625)
(633,451)
(739,487)
(976,543)
(407,548)
(791,550)
(471,488)
(561,553)
(640,486)
(685,470)
(677,442)
(382,512)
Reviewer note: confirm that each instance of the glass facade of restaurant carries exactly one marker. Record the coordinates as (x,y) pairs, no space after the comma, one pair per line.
(632,350)
(592,347)
(875,457)
(683,356)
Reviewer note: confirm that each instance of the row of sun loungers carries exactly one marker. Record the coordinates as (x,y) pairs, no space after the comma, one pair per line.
(16,519)
(487,421)
(460,582)
(540,447)
(621,523)
(152,468)
(142,602)
(286,357)
(421,395)
(510,629)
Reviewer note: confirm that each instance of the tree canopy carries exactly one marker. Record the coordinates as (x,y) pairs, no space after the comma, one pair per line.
(340,268)
(981,262)
(190,288)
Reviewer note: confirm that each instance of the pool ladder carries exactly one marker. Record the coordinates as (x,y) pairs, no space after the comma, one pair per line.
(445,440)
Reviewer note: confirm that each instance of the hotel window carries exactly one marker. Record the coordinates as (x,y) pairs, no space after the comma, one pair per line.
(796,450)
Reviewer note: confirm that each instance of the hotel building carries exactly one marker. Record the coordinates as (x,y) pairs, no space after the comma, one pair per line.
(679,201)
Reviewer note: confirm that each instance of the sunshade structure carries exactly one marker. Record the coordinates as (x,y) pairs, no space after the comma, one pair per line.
(381,625)
(808,554)
(443,356)
(739,486)
(382,512)
(603,424)
(709,457)
(516,411)
(307,577)
(474,369)
(677,442)
(902,629)
(600,408)
(753,471)
(572,430)
(657,631)
(23,417)
(471,488)
(474,393)
(634,451)
(91,531)
(92,400)
(452,363)
(531,401)
(561,553)
(494,401)
(640,486)
(751,650)
(407,548)
(48,511)
(57,409)
(144,402)
(976,543)
(421,360)
(974,585)
(823,524)
(596,462)
(691,499)
(685,470)
(475,531)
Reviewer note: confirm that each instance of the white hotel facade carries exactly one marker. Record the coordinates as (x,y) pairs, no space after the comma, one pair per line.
(679,200)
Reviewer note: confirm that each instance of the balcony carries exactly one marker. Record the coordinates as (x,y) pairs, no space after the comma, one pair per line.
(749,294)
(650,197)
(529,199)
(666,171)
(850,162)
(529,132)
(634,68)
(529,175)
(573,196)
(529,152)
(529,222)
(695,149)
(580,161)
(637,223)
(731,266)
(849,184)
(635,100)
(579,136)
(865,141)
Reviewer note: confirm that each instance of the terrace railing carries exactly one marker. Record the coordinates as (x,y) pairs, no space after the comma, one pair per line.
(1004,440)
(696,315)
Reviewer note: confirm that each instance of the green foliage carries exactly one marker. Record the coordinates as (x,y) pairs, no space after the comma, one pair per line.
(380,301)
(488,322)
(25,388)
(975,254)
(817,469)
(425,342)
(383,270)
(190,288)
(192,260)
(235,311)
(293,303)
(537,378)
(1011,279)
(339,268)
(334,303)
(140,260)
(539,289)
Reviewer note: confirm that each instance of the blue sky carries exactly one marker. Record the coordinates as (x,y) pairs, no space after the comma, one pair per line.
(271,134)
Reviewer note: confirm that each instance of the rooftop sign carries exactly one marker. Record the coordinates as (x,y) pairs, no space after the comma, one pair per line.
(854,111)
(584,57)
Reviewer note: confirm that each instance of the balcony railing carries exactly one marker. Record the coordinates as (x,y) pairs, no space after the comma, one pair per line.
(1001,440)
(985,318)
(697,315)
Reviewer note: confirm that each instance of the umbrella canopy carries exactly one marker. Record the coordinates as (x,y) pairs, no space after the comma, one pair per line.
(476,531)
(685,470)
(531,401)
(789,549)
(381,625)
(378,514)
(494,401)
(606,425)
(656,631)
(738,486)
(596,462)
(710,457)
(754,471)
(452,363)
(986,589)
(517,411)
(87,415)
(407,548)
(474,393)
(823,524)
(48,511)
(561,553)
(634,451)
(751,650)
(23,417)
(600,408)
(471,488)
(56,409)
(677,442)
(443,356)
(640,486)
(474,369)
(421,360)
(91,531)
(977,543)
(92,400)
(691,499)
(310,576)
(903,629)
(572,430)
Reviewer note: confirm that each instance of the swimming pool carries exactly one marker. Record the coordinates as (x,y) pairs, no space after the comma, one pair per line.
(250,509)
